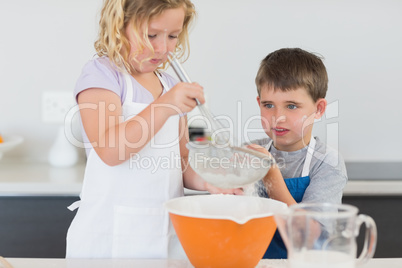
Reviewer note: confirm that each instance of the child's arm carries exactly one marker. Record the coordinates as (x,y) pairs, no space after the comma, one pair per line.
(276,186)
(191,179)
(113,139)
(274,182)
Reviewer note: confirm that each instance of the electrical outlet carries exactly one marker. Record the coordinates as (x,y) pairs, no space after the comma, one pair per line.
(55,105)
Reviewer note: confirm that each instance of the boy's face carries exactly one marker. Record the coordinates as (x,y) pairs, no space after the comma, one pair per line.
(288,117)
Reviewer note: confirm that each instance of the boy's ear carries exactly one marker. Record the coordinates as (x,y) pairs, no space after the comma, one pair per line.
(258,100)
(321,106)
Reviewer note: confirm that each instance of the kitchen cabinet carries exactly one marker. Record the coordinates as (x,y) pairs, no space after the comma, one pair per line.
(376,189)
(34,226)
(387,213)
(33,208)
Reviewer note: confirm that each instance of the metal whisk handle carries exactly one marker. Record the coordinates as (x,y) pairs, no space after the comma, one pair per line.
(180,72)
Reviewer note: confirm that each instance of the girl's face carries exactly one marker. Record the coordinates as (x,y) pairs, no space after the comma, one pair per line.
(163,32)
(288,117)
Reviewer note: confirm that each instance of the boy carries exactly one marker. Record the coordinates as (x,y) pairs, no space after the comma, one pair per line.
(292,84)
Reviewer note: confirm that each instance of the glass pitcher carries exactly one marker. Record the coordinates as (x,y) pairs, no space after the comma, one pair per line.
(324,235)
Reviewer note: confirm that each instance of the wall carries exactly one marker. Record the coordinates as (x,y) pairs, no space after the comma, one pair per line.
(46,42)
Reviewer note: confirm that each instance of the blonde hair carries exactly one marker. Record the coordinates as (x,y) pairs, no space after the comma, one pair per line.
(116,15)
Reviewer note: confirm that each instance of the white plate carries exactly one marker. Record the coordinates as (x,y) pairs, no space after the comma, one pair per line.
(9,142)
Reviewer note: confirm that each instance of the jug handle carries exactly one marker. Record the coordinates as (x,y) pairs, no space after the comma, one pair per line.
(370,240)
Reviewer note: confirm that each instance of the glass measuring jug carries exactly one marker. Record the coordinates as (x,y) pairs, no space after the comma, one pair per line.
(324,235)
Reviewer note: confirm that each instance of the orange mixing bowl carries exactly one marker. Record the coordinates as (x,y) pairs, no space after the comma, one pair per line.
(224,230)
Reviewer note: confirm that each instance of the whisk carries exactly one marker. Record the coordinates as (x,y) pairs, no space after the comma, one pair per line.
(219,135)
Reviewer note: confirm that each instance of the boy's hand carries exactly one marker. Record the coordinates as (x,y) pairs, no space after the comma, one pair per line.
(274,182)
(262,150)
(258,148)
(215,190)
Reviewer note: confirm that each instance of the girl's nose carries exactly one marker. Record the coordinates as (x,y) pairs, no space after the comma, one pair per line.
(160,46)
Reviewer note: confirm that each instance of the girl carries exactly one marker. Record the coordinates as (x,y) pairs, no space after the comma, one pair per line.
(133,117)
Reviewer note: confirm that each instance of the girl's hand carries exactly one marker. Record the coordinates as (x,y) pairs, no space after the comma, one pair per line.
(181,98)
(215,190)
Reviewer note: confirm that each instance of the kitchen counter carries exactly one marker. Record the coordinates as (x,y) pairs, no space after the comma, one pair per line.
(78,263)
(30,178)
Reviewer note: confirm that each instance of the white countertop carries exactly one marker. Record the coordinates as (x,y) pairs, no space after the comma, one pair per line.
(28,178)
(107,263)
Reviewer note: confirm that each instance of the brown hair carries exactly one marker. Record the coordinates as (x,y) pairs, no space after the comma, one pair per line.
(291,68)
(117,14)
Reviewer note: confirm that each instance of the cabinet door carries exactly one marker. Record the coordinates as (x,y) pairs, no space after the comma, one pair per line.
(387,213)
(34,226)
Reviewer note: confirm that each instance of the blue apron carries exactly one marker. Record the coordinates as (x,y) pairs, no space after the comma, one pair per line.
(296,187)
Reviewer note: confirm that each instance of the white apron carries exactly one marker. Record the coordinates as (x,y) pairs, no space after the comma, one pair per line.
(121,213)
(309,155)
